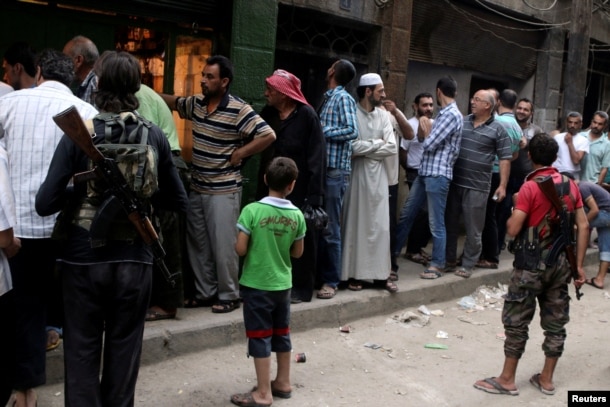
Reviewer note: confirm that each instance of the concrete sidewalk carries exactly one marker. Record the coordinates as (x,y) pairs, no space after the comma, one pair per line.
(198,329)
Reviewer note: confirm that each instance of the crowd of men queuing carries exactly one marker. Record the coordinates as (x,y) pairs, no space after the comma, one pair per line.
(347,154)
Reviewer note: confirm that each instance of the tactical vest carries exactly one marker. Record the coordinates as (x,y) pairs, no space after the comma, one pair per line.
(533,245)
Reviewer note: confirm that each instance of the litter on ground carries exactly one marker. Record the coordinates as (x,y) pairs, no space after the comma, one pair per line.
(409,318)
(435,346)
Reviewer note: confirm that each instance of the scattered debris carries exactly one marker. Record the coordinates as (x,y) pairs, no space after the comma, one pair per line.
(345,329)
(484,297)
(442,335)
(372,345)
(470,321)
(438,313)
(501,336)
(424,310)
(467,302)
(412,319)
(436,346)
(606,295)
(300,358)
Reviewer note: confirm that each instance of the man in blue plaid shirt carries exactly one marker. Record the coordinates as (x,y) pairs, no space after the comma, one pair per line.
(441,148)
(338,119)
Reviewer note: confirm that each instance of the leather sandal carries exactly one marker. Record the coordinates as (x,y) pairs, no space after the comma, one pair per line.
(390,286)
(326,292)
(224,306)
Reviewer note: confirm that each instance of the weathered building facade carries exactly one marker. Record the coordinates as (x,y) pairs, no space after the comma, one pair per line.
(521,44)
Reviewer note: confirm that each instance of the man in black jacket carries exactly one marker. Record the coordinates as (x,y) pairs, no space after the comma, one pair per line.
(107,288)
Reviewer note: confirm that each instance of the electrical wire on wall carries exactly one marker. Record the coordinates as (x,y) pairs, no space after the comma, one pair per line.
(538,8)
(471,18)
(483,19)
(519,20)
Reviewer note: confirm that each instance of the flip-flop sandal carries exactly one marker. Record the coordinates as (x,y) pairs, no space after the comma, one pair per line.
(463,272)
(391,287)
(416,258)
(425,255)
(246,400)
(225,306)
(326,292)
(158,316)
(354,286)
(277,393)
(54,341)
(591,282)
(535,381)
(484,264)
(430,274)
(496,388)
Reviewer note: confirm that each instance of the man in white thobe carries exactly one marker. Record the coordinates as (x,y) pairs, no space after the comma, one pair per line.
(365,226)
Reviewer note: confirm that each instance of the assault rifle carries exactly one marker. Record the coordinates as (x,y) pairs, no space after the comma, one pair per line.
(565,239)
(106,169)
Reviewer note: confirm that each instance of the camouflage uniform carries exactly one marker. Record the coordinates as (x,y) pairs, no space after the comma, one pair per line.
(550,288)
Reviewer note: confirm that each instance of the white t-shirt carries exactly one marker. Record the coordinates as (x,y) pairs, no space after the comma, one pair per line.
(564,162)
(7,218)
(414,148)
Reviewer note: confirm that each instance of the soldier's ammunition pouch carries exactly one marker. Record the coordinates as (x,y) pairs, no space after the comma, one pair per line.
(527,250)
(103,229)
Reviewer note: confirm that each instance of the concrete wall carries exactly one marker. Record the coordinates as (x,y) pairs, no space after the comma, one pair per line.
(253,47)
(549,74)
(252,53)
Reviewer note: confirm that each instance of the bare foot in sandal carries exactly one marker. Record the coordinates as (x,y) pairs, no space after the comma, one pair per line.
(326,292)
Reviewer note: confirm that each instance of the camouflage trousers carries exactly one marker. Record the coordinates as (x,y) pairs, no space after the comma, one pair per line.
(550,289)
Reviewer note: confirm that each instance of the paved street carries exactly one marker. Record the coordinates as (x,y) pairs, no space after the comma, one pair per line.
(340,370)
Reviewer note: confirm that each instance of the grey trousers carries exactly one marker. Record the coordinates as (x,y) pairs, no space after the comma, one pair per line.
(471,205)
(211,233)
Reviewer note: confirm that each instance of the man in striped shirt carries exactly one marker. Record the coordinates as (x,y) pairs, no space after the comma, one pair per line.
(441,147)
(226,130)
(339,125)
(483,138)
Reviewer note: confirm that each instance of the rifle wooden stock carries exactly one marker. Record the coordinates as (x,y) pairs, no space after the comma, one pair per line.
(70,122)
(547,186)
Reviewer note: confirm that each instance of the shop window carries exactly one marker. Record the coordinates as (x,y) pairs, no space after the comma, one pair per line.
(149,47)
(191,53)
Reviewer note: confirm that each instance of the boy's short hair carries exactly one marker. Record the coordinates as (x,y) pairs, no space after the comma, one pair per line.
(543,149)
(281,171)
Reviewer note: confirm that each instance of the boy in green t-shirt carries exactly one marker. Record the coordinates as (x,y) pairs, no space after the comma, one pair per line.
(270,231)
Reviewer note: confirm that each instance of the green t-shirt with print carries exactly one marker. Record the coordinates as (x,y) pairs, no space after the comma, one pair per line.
(273,224)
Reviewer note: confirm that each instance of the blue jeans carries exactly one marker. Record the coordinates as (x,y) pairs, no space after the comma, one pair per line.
(602,224)
(434,190)
(329,260)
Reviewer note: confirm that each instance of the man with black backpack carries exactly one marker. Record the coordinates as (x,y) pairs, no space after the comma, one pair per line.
(537,274)
(107,266)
